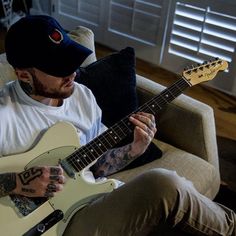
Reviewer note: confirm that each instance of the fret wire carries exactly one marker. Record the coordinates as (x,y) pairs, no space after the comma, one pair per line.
(117,138)
(95,147)
(120,131)
(79,158)
(110,140)
(150,109)
(127,126)
(83,156)
(104,140)
(87,155)
(73,161)
(100,145)
(92,150)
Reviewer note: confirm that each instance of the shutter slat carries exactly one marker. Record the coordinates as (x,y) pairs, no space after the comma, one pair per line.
(186,32)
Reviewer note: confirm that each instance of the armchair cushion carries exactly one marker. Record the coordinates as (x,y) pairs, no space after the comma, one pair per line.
(112,80)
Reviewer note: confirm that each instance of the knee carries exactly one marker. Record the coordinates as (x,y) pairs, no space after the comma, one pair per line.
(165,184)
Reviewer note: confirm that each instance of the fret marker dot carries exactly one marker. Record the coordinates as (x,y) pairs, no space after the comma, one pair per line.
(115,137)
(153,105)
(167,95)
(99,144)
(91,150)
(84,155)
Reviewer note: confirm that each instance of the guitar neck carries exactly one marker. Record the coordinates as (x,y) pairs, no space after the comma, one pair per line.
(119,131)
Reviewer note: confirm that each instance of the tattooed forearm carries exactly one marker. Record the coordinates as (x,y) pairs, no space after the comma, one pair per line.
(112,161)
(7,183)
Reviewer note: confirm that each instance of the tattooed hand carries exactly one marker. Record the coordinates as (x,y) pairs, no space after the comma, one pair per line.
(117,158)
(145,129)
(40,181)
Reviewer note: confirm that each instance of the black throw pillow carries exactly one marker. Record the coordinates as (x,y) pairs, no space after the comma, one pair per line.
(112,80)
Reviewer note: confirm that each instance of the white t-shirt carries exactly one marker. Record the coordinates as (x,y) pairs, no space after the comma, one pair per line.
(23,120)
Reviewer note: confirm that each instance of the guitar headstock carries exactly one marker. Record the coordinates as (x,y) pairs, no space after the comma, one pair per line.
(204,72)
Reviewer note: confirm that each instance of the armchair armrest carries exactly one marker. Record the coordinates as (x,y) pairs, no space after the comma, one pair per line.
(185,123)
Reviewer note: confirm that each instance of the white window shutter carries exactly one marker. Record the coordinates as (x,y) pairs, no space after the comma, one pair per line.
(198,33)
(136,23)
(136,19)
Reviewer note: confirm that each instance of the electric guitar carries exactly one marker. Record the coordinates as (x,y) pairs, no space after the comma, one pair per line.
(49,216)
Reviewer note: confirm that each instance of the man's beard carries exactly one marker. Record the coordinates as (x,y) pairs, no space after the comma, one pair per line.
(41,90)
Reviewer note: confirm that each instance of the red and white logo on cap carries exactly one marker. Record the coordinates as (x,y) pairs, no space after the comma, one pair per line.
(56,36)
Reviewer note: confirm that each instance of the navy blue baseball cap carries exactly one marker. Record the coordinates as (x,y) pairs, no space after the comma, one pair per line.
(39,41)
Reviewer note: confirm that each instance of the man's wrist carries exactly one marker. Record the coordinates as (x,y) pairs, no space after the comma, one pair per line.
(135,150)
(7,183)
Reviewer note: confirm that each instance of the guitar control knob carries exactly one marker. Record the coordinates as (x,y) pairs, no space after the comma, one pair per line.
(41,228)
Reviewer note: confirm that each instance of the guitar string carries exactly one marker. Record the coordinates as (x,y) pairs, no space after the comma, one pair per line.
(76,158)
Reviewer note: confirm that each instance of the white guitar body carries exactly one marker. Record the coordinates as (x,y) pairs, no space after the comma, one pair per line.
(57,143)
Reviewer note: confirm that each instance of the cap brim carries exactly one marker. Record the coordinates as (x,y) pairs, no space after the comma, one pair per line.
(64,60)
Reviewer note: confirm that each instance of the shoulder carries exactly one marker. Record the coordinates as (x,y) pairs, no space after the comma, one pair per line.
(83,99)
(83,92)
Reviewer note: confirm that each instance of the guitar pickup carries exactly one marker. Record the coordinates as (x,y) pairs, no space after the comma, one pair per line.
(69,171)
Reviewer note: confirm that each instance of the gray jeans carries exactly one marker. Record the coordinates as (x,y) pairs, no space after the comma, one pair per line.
(153,203)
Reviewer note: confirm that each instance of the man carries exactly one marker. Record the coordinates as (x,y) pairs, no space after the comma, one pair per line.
(45,61)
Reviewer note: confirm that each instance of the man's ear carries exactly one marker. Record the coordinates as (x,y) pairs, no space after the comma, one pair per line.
(23,75)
